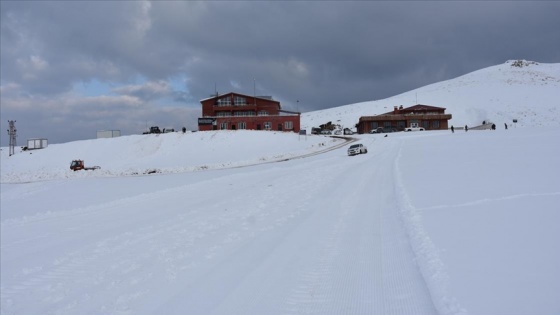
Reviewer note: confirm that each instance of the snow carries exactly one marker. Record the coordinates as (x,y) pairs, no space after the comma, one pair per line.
(254,222)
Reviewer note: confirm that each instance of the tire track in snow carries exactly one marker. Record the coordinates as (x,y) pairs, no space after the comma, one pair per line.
(488,200)
(76,264)
(365,264)
(426,254)
(344,277)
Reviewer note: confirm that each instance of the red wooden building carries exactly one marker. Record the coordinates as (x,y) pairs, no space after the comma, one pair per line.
(234,111)
(426,116)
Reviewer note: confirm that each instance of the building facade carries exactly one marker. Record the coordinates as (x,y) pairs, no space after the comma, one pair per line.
(426,116)
(234,111)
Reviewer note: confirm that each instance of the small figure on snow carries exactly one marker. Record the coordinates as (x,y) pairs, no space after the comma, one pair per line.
(505,124)
(452,129)
(493,126)
(466,128)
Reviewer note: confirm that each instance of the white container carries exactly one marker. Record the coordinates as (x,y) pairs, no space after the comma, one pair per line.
(108,133)
(37,143)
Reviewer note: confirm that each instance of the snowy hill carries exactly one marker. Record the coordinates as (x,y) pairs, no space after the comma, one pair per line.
(162,154)
(523,90)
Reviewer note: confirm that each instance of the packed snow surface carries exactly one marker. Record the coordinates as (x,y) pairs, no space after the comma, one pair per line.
(428,222)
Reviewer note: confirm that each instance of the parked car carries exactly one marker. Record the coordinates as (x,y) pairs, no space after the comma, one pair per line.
(414,129)
(383,130)
(326,132)
(357,149)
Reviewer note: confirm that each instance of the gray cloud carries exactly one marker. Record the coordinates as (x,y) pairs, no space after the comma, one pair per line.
(323,54)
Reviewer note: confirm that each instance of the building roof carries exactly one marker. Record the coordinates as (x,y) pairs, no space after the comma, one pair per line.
(268,98)
(415,108)
(423,107)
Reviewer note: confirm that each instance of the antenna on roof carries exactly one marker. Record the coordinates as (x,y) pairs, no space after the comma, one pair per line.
(216,88)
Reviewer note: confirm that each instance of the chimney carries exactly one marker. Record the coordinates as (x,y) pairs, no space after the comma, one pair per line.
(395,109)
(400,107)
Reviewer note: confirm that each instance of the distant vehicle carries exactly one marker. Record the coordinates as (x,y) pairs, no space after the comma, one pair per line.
(326,132)
(383,130)
(153,129)
(78,165)
(357,149)
(414,129)
(337,132)
(315,131)
(348,131)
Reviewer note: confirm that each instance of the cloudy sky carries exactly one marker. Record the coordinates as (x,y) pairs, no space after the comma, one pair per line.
(70,68)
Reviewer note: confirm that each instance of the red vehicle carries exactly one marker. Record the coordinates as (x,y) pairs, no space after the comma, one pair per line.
(77,165)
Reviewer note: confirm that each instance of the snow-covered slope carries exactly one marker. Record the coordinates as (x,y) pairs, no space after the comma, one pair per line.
(523,90)
(163,154)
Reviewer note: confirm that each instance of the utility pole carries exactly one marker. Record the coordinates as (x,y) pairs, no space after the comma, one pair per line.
(12,132)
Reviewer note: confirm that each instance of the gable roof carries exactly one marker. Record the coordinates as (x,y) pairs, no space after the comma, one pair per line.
(268,98)
(414,108)
(422,107)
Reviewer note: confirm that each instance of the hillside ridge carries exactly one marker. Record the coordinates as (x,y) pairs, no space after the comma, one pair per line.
(521,90)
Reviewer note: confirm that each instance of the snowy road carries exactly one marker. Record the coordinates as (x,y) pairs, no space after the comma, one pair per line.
(320,235)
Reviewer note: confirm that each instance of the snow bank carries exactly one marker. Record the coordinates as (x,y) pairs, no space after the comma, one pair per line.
(162,154)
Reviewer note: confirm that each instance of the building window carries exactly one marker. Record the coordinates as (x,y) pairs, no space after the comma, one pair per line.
(263,113)
(223,114)
(426,124)
(267,125)
(241,125)
(244,113)
(226,101)
(401,124)
(288,125)
(387,124)
(373,125)
(223,125)
(435,124)
(238,101)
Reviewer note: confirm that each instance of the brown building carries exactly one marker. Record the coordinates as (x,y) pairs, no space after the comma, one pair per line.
(233,111)
(428,117)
